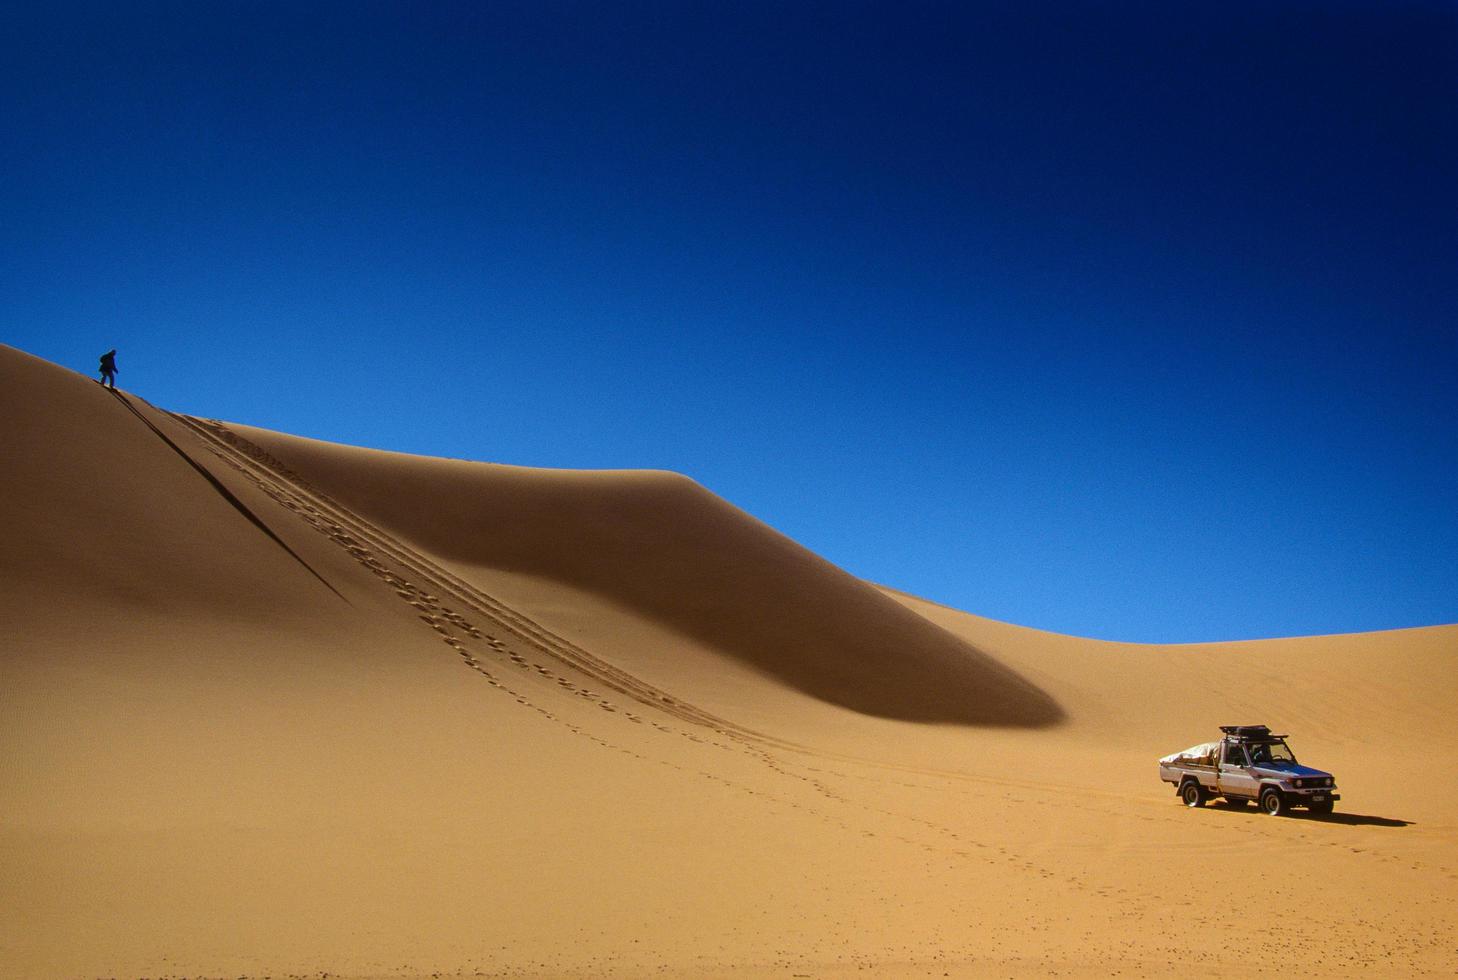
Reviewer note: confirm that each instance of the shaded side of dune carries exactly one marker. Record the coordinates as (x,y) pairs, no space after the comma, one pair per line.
(668,549)
(101,512)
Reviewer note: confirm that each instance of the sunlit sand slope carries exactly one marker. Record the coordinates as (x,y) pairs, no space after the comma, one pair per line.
(271,707)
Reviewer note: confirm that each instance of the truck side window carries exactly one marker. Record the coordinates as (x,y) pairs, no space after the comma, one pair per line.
(1234,755)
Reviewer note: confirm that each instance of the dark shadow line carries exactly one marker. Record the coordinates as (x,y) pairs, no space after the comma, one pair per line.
(1339,817)
(1361,820)
(223,491)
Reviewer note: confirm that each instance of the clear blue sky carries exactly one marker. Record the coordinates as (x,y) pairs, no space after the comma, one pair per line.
(1132,320)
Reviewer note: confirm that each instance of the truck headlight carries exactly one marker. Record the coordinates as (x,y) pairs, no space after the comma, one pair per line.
(1299,783)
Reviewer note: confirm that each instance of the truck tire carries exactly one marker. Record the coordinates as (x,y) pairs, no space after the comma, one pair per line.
(1192,793)
(1273,802)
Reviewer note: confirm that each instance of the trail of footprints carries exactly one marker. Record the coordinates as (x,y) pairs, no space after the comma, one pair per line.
(449,624)
(335,521)
(312,505)
(348,531)
(367,544)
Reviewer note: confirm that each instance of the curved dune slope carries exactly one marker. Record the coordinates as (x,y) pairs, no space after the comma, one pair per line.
(113,503)
(666,548)
(416,717)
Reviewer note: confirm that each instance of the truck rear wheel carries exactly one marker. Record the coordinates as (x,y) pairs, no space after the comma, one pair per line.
(1192,793)
(1273,803)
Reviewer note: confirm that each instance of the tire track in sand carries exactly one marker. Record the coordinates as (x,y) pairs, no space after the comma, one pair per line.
(367,542)
(358,536)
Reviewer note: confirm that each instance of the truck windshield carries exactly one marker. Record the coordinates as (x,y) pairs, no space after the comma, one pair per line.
(1271,754)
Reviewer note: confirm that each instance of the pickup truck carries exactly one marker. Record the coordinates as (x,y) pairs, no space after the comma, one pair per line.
(1249,763)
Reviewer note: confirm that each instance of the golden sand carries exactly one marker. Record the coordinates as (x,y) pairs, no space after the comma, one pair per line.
(271,706)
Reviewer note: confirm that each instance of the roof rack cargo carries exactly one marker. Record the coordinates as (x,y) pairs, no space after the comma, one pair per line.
(1247,731)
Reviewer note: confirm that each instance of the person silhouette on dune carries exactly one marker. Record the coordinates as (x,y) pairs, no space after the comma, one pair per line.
(108,369)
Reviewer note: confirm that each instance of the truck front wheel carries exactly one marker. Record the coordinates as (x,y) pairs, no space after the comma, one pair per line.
(1192,794)
(1273,802)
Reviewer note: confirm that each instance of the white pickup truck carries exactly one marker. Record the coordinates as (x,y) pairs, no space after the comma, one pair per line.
(1249,763)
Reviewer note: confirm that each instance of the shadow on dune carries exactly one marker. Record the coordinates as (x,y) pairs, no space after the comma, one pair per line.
(1361,820)
(692,562)
(671,551)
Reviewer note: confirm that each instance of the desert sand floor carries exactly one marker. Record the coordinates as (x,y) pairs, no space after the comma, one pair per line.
(274,707)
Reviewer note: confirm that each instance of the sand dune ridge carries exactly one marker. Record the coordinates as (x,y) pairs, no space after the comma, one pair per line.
(661,544)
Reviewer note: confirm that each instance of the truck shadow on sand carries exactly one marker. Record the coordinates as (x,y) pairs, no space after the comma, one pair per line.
(1337,817)
(1359,820)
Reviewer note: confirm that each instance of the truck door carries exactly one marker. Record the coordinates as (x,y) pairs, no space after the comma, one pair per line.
(1235,777)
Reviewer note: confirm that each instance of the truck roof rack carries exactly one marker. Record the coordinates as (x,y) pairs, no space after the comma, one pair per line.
(1249,731)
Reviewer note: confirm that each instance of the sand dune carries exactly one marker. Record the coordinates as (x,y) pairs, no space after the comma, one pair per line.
(668,550)
(277,707)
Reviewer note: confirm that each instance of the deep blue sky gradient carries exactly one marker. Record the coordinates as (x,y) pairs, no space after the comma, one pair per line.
(1133,320)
